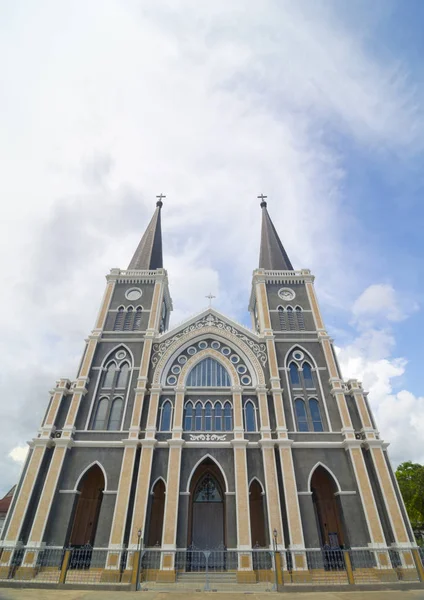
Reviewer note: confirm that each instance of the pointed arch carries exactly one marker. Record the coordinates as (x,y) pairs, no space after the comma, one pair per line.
(199,462)
(315,467)
(258,481)
(307,354)
(250,416)
(155,482)
(87,468)
(194,361)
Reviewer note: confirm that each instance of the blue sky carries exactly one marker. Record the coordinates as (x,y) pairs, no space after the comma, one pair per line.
(316,104)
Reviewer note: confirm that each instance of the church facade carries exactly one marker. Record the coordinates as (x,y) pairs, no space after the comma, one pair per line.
(209,434)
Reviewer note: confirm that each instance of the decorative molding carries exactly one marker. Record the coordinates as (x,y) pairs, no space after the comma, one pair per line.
(208,437)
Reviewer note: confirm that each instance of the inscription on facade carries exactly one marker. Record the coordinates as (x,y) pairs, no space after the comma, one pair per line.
(208,437)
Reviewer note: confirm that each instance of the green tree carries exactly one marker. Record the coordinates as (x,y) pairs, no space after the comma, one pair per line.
(410,477)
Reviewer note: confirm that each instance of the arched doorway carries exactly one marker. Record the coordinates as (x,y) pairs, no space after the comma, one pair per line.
(257,515)
(327,512)
(87,510)
(207,507)
(156,515)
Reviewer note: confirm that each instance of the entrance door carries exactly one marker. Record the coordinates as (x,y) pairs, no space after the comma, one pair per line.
(208,514)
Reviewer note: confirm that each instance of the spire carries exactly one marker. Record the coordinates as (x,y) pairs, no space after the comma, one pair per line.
(272,255)
(148,255)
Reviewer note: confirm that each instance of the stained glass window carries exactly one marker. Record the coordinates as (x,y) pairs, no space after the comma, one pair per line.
(208,373)
(307,375)
(294,374)
(115,415)
(315,414)
(250,421)
(207,490)
(302,420)
(188,416)
(165,424)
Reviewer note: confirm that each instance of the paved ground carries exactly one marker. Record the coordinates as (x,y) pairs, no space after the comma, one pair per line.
(6,594)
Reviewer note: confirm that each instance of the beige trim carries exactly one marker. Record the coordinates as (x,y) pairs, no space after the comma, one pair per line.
(142,494)
(319,323)
(272,495)
(88,358)
(291,497)
(169,536)
(105,305)
(156,301)
(121,506)
(153,411)
(263,409)
(242,498)
(237,412)
(178,414)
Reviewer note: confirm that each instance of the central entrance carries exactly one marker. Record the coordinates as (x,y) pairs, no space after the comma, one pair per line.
(207,507)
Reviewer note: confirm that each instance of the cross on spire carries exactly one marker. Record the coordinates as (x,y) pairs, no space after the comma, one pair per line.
(261,197)
(159,202)
(210,296)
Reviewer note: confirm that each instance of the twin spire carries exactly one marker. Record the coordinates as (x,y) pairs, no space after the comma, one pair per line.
(148,256)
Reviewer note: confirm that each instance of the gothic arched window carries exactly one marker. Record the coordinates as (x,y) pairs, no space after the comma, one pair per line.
(188,416)
(208,373)
(109,377)
(307,375)
(119,320)
(115,414)
(165,422)
(282,318)
(294,374)
(208,416)
(128,319)
(137,318)
(123,376)
(198,417)
(101,413)
(218,416)
(249,416)
(315,415)
(299,315)
(290,317)
(302,419)
(228,417)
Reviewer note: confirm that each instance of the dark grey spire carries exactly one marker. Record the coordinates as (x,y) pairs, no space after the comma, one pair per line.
(272,255)
(148,255)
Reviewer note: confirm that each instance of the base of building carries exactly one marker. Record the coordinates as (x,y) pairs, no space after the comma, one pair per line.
(110,576)
(25,573)
(246,577)
(166,576)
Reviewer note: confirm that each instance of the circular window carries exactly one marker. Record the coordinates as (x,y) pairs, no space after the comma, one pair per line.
(176,369)
(226,351)
(215,345)
(192,350)
(172,380)
(133,294)
(234,359)
(121,354)
(241,369)
(182,359)
(246,380)
(203,345)
(286,294)
(298,355)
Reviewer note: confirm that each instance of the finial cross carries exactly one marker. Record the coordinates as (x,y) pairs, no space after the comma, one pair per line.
(210,296)
(262,197)
(161,196)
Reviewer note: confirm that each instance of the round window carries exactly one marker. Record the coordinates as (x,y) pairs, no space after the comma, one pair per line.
(121,354)
(226,351)
(241,369)
(176,369)
(215,345)
(182,359)
(172,380)
(246,380)
(133,294)
(234,359)
(203,345)
(298,355)
(192,350)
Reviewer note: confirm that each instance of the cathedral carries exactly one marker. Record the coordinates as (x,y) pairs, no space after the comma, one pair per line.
(209,434)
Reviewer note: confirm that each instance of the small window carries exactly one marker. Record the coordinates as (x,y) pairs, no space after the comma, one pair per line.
(123,376)
(299,316)
(188,417)
(137,319)
(316,415)
(100,418)
(290,317)
(307,376)
(294,374)
(119,319)
(109,376)
(218,417)
(250,420)
(165,424)
(302,421)
(198,417)
(115,415)
(208,416)
(128,319)
(228,417)
(282,317)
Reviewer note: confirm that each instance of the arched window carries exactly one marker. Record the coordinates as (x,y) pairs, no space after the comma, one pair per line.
(101,412)
(315,415)
(294,374)
(137,318)
(208,373)
(165,422)
(249,416)
(123,376)
(218,417)
(109,376)
(228,417)
(302,420)
(128,319)
(208,416)
(299,316)
(307,375)
(188,417)
(290,317)
(198,417)
(282,317)
(119,319)
(115,415)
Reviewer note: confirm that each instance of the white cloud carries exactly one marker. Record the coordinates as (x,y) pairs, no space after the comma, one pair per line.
(19,454)
(107,103)
(380,301)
